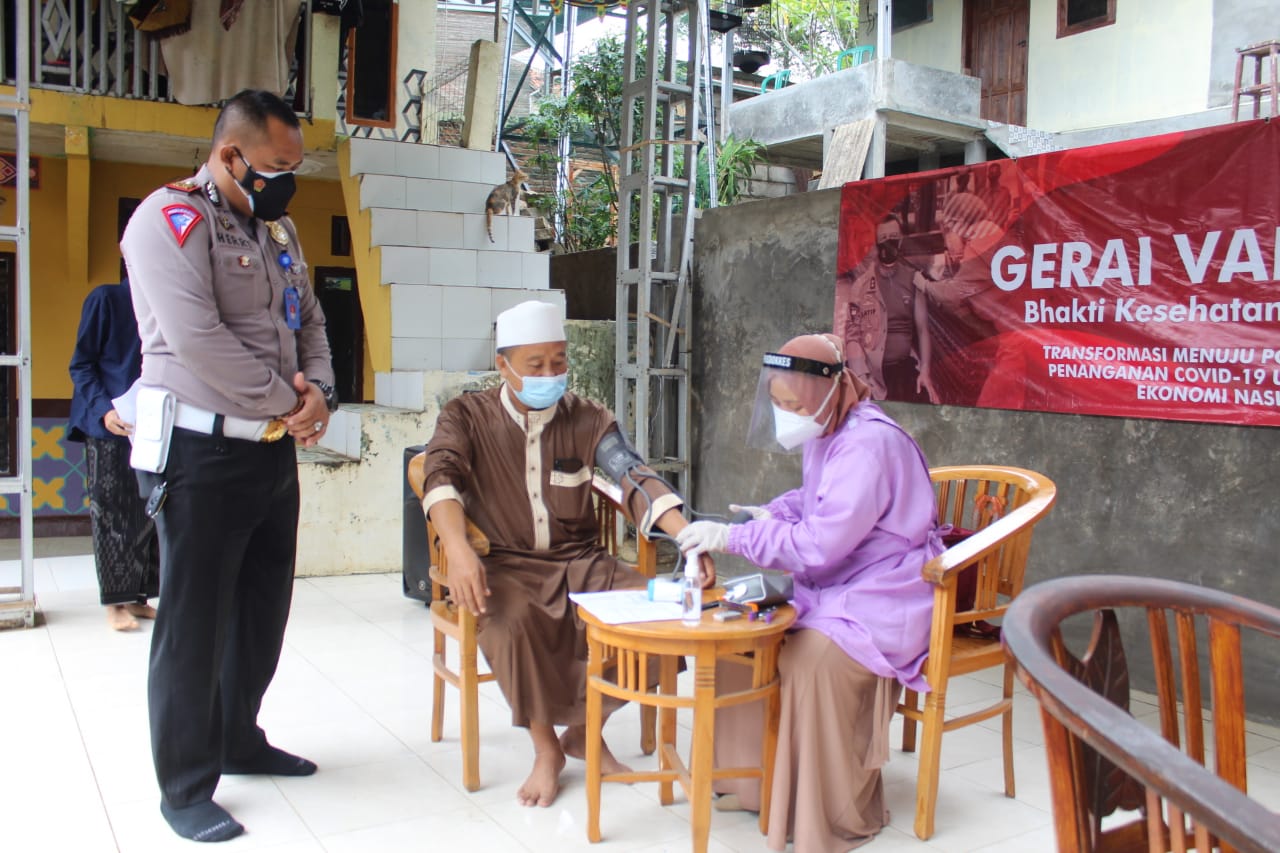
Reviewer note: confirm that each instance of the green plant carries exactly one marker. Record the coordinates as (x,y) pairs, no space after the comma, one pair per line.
(586,212)
(735,160)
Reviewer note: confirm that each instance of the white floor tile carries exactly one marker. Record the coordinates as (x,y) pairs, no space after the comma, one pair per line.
(369,795)
(353,693)
(467,828)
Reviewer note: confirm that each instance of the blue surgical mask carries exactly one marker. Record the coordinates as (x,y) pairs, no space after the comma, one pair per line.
(541,392)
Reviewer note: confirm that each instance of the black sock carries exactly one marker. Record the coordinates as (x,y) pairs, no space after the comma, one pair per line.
(271,762)
(205,821)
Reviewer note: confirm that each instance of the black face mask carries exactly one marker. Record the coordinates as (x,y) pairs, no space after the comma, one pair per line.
(888,251)
(268,193)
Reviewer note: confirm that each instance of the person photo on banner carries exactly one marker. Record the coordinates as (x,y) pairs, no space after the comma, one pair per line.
(996,196)
(896,341)
(958,326)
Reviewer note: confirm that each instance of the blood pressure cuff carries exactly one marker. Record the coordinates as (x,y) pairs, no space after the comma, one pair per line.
(615,456)
(620,462)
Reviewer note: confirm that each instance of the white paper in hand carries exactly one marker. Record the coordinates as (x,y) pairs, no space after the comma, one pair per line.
(126,405)
(151,429)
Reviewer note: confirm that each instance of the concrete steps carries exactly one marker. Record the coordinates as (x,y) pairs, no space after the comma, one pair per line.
(448,280)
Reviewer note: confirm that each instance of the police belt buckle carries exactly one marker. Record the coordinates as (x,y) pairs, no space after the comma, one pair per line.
(201,420)
(275,430)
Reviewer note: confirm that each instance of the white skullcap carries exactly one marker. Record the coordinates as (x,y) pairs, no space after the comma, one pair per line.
(530,322)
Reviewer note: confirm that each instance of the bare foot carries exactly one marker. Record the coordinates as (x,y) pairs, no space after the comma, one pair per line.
(543,784)
(141,610)
(119,619)
(574,744)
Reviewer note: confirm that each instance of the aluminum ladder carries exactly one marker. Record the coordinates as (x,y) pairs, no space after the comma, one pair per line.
(18,603)
(665,99)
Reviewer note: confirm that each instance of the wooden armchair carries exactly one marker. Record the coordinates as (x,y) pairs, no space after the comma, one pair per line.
(1101,759)
(1001,505)
(448,621)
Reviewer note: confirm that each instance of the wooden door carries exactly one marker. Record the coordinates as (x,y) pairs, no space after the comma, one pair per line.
(995,39)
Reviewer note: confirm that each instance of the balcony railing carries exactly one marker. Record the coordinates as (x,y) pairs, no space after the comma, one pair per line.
(91,47)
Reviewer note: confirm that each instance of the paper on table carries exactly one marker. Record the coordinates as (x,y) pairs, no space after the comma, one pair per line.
(618,606)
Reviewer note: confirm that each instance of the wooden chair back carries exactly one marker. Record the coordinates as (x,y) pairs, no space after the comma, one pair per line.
(1101,759)
(610,518)
(1001,505)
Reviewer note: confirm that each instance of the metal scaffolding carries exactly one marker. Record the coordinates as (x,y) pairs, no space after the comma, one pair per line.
(17,604)
(666,111)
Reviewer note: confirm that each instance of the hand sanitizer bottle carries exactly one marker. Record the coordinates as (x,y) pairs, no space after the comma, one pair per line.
(691,597)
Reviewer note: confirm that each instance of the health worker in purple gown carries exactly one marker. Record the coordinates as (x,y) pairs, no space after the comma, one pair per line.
(855,537)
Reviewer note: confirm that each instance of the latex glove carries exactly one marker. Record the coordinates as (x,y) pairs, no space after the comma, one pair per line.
(703,536)
(757,513)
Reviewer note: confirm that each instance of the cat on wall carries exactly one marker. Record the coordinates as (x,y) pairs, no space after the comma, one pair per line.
(503,197)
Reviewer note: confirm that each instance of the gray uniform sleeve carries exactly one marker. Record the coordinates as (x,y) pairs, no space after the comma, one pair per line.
(175,281)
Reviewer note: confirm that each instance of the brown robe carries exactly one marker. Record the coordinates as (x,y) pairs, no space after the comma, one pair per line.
(526,483)
(833,737)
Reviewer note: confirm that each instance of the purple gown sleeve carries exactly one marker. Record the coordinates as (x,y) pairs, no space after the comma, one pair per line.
(851,494)
(788,506)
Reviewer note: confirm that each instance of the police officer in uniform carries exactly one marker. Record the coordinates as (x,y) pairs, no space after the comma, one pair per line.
(232,329)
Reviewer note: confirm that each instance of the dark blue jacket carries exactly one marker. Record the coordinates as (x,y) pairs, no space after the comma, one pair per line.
(107,360)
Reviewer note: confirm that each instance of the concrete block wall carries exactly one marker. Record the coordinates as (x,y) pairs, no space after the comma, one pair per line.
(448,279)
(769,182)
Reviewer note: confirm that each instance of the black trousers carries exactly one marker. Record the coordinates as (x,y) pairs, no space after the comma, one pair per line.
(228,535)
(900,381)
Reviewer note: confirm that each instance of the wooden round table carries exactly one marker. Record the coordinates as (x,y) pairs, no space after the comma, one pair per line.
(625,661)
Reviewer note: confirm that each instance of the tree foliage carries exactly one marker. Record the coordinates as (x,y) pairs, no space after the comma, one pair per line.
(591,119)
(807,35)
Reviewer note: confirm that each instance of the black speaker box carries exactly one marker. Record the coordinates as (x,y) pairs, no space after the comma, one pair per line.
(416,559)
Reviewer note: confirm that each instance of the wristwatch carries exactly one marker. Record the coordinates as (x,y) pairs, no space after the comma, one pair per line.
(330,394)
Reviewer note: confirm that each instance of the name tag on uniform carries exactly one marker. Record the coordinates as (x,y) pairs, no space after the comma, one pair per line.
(292,308)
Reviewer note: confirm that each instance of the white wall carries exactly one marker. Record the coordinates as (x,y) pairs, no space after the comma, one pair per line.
(937,43)
(1153,62)
(415,48)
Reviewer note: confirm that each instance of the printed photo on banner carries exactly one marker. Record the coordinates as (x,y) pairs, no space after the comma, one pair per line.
(1136,279)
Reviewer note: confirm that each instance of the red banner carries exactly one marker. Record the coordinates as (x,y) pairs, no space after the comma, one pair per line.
(1137,279)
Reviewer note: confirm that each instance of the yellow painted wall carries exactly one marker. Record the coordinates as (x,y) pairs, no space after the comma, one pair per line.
(56,300)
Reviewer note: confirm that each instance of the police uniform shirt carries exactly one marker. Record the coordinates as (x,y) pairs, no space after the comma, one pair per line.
(209,290)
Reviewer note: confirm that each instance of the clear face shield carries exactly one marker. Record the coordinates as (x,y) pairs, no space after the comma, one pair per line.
(791,402)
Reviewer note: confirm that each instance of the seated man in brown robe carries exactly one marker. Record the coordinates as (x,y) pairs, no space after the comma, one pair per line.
(518,459)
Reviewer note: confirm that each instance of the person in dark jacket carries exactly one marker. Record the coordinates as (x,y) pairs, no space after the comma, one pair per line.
(107,360)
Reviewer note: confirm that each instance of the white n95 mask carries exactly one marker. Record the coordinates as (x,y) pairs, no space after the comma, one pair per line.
(793,430)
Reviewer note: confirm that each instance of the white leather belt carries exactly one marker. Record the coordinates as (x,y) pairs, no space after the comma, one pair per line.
(196,419)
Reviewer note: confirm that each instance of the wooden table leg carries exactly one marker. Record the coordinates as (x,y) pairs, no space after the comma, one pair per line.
(772,711)
(595,721)
(666,724)
(702,759)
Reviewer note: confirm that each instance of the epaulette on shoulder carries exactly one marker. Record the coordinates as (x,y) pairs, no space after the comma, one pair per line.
(186,185)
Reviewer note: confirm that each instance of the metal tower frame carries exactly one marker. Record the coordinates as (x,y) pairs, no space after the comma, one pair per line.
(665,100)
(17,604)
